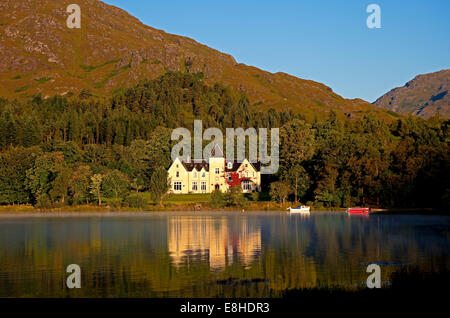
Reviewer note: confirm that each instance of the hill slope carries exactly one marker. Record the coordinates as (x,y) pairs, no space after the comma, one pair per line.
(113,50)
(425,95)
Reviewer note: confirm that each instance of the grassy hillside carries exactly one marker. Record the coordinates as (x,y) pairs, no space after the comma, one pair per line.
(113,50)
(424,96)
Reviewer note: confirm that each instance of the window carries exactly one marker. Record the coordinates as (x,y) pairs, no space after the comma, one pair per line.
(230,178)
(177,166)
(194,186)
(230,165)
(203,174)
(177,186)
(253,174)
(177,174)
(217,187)
(246,185)
(246,165)
(203,186)
(217,170)
(194,174)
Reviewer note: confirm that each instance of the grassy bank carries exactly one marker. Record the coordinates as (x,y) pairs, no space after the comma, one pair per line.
(199,202)
(168,206)
(174,202)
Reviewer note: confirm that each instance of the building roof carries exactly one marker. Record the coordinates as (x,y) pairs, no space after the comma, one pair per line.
(236,165)
(216,152)
(198,165)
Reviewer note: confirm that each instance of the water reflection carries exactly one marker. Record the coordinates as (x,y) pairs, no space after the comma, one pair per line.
(210,254)
(193,239)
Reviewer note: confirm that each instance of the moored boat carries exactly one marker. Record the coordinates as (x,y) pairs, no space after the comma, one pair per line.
(358,210)
(300,209)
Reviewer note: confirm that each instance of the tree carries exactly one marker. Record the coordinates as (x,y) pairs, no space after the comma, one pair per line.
(80,184)
(159,185)
(297,143)
(14,164)
(327,189)
(279,191)
(217,199)
(297,149)
(60,185)
(298,179)
(70,151)
(115,184)
(42,174)
(235,197)
(144,156)
(137,184)
(96,187)
(140,162)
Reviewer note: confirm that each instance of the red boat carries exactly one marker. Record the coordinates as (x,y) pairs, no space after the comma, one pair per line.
(358,210)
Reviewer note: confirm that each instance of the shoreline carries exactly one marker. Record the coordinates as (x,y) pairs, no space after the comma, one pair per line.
(29,209)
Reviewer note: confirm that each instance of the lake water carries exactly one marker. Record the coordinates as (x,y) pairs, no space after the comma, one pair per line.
(253,254)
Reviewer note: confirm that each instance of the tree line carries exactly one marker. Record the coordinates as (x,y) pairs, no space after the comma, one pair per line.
(404,163)
(80,149)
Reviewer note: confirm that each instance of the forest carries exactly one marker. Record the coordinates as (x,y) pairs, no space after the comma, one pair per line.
(84,149)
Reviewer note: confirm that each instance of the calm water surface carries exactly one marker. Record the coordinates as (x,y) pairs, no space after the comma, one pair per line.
(256,254)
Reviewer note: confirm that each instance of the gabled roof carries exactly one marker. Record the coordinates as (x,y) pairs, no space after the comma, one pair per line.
(216,152)
(236,165)
(189,166)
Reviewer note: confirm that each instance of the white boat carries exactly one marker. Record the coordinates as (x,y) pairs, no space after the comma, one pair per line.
(300,209)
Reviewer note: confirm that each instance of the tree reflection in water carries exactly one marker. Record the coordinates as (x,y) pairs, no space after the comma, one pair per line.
(210,254)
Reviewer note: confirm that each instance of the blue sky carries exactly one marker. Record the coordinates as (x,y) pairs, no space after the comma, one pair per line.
(326,41)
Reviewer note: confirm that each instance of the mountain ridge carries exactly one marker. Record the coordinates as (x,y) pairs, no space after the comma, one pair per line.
(425,95)
(115,50)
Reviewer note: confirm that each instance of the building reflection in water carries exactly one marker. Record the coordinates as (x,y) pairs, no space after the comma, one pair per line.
(220,240)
